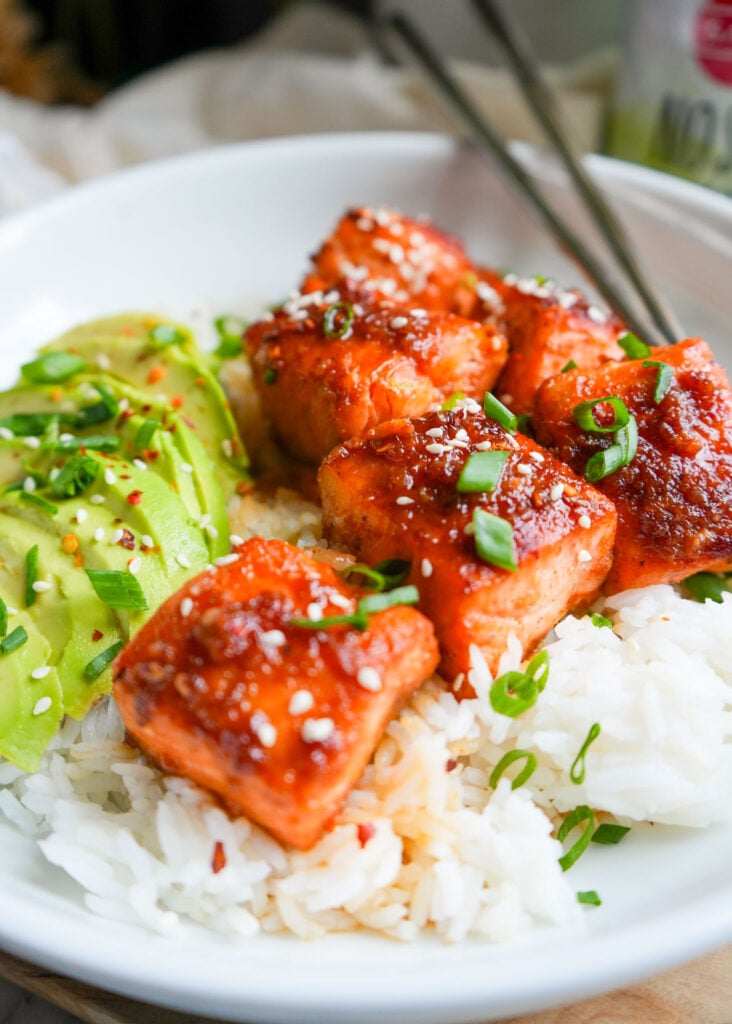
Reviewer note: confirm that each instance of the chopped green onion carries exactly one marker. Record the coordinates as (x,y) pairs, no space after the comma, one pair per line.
(590,898)
(633,347)
(31,574)
(494,540)
(339,311)
(619,454)
(145,433)
(515,692)
(78,473)
(452,400)
(571,365)
(497,411)
(270,375)
(97,665)
(167,334)
(507,760)
(627,438)
(707,586)
(13,640)
(365,607)
(481,472)
(663,379)
(99,412)
(384,576)
(609,835)
(3,618)
(600,620)
(584,414)
(29,424)
(53,368)
(541,279)
(117,589)
(230,330)
(581,815)
(94,442)
(524,424)
(577,771)
(34,499)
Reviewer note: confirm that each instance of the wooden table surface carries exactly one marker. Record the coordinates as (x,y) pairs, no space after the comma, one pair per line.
(697,993)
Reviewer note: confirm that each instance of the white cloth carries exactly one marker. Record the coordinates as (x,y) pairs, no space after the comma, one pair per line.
(312,70)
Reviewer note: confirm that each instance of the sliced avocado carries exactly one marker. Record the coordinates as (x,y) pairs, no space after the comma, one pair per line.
(124,347)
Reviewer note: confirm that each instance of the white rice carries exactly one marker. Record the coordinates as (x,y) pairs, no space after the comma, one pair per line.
(447,853)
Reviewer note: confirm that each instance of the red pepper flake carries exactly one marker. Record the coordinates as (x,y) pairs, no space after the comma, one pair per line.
(127,540)
(56,394)
(218,861)
(127,331)
(134,497)
(97,635)
(365,832)
(451,765)
(150,454)
(156,374)
(126,414)
(78,560)
(176,401)
(189,423)
(201,382)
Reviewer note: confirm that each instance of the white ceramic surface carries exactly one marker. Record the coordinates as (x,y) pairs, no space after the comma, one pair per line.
(229,230)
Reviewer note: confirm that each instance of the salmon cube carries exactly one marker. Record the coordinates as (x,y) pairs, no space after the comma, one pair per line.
(393,256)
(547,328)
(674,498)
(393,493)
(278,720)
(329,366)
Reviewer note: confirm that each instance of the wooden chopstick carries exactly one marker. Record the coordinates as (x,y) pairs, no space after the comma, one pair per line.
(489,143)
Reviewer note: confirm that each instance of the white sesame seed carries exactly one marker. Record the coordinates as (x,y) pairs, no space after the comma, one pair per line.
(340,601)
(135,566)
(29,485)
(110,476)
(488,294)
(369,679)
(226,559)
(584,556)
(41,705)
(81,515)
(116,536)
(6,434)
(204,521)
(273,638)
(186,607)
(383,217)
(434,432)
(596,315)
(398,321)
(314,612)
(331,296)
(300,702)
(536,456)
(96,499)
(66,437)
(12,611)
(556,492)
(147,541)
(317,730)
(426,568)
(40,673)
(524,469)
(358,309)
(182,560)
(567,299)
(227,447)
(365,224)
(40,586)
(186,467)
(455,442)
(585,522)
(103,361)
(435,449)
(404,499)
(32,442)
(211,531)
(483,446)
(124,404)
(139,464)
(99,533)
(418,313)
(266,734)
(235,540)
(396,229)
(396,253)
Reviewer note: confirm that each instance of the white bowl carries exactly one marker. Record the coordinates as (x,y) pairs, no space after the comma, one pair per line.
(228,231)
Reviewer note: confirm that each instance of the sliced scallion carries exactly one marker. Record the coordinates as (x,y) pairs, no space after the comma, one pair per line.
(78,473)
(13,640)
(707,586)
(494,540)
(580,816)
(577,771)
(664,376)
(600,620)
(366,606)
(117,589)
(53,368)
(633,347)
(31,574)
(337,320)
(3,618)
(497,411)
(590,898)
(231,334)
(145,433)
(270,376)
(94,442)
(507,760)
(609,834)
(584,414)
(515,692)
(571,365)
(481,472)
(452,400)
(35,499)
(383,576)
(97,665)
(29,424)
(166,334)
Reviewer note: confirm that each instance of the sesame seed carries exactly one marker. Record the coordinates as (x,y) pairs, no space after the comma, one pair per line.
(211,531)
(124,404)
(317,730)
(109,476)
(506,398)
(340,601)
(182,560)
(434,432)
(300,702)
(596,315)
(99,533)
(235,540)
(81,515)
(584,556)
(29,485)
(567,299)
(103,361)
(418,312)
(12,611)
(186,467)
(585,522)
(40,586)
(135,566)
(96,499)
(435,449)
(32,442)
(6,434)
(116,536)
(426,568)
(41,705)
(365,224)
(403,499)
(524,469)
(536,456)
(331,296)
(273,638)
(396,253)
(139,464)
(383,217)
(482,446)
(487,294)
(186,607)
(66,437)
(398,321)
(266,734)
(40,673)
(396,229)
(368,679)
(556,492)
(226,559)
(227,448)
(381,245)
(357,309)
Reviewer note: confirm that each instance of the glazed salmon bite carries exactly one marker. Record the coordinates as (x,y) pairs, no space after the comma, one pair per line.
(277,718)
